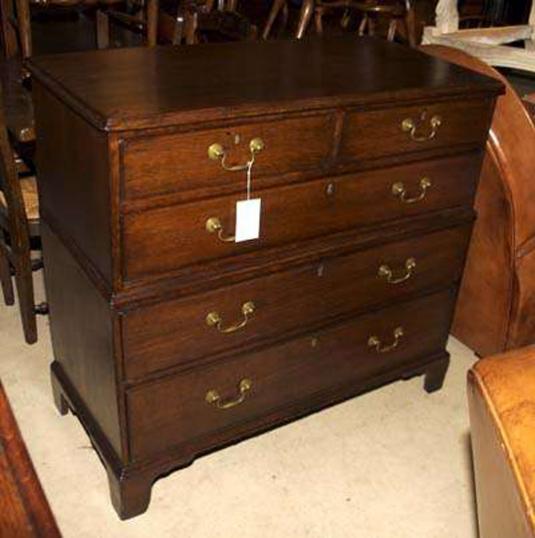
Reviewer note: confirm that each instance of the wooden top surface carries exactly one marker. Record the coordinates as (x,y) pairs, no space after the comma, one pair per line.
(142,87)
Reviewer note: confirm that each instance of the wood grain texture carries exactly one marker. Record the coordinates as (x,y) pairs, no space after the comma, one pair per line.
(81,331)
(463,121)
(73,179)
(173,410)
(145,86)
(300,143)
(164,239)
(25,511)
(175,332)
(134,353)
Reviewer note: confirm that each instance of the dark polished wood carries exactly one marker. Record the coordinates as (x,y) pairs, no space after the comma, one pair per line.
(346,75)
(19,222)
(25,510)
(352,281)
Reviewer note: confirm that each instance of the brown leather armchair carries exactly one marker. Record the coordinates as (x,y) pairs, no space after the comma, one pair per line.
(496,304)
(501,396)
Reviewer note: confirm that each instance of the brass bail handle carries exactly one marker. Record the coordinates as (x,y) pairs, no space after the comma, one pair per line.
(388,274)
(217,152)
(399,191)
(408,125)
(374,341)
(213,319)
(214,398)
(213,225)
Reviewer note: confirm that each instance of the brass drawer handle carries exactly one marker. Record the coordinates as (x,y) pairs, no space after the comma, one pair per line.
(387,273)
(213,225)
(374,341)
(408,125)
(213,398)
(217,152)
(398,190)
(213,319)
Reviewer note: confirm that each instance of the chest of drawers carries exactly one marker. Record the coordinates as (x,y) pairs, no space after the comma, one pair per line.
(171,339)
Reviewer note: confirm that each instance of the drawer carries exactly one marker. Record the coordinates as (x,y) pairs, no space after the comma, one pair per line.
(379,133)
(176,332)
(182,408)
(177,162)
(164,239)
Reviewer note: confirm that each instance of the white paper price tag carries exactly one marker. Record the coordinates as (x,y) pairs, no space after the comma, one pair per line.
(247,220)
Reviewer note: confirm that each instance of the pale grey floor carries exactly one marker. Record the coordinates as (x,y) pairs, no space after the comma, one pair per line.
(394,463)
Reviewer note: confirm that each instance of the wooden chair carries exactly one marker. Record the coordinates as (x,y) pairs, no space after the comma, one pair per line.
(54,35)
(309,8)
(396,13)
(202,20)
(141,19)
(19,222)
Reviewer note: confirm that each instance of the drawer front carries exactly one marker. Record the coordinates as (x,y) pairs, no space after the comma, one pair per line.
(182,408)
(178,162)
(379,133)
(177,332)
(164,239)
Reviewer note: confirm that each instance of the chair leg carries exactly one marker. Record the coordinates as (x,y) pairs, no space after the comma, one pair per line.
(410,27)
(392,30)
(307,9)
(363,24)
(5,279)
(275,8)
(24,281)
(318,20)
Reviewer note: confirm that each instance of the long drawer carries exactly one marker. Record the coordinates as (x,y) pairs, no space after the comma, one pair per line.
(379,133)
(161,240)
(182,408)
(177,332)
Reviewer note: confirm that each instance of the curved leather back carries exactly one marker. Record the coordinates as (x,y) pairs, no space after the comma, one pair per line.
(496,304)
(512,145)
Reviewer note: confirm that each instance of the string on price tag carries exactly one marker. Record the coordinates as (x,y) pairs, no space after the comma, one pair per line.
(248,211)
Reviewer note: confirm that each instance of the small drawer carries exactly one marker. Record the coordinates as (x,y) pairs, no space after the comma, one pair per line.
(178,332)
(380,133)
(165,239)
(178,162)
(187,407)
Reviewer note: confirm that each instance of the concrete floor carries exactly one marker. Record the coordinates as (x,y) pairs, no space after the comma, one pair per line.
(394,463)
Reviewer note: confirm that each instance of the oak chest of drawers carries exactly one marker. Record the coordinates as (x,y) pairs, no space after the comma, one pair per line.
(170,338)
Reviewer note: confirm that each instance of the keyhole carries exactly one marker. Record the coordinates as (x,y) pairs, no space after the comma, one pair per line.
(330,189)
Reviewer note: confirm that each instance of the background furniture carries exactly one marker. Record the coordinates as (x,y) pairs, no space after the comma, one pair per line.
(491,45)
(398,14)
(496,305)
(25,511)
(170,338)
(141,19)
(501,395)
(19,221)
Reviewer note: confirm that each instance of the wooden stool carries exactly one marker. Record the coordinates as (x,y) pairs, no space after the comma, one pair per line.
(395,11)
(318,8)
(501,394)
